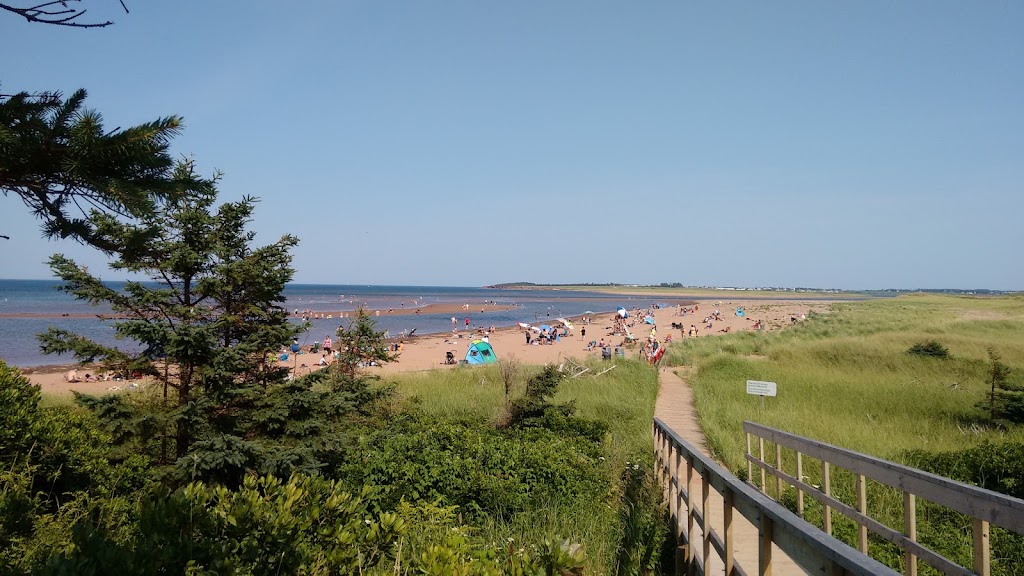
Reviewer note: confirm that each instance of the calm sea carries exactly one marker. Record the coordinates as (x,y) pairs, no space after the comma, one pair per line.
(18,344)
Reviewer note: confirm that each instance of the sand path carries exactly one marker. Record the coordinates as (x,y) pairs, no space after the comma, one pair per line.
(675,407)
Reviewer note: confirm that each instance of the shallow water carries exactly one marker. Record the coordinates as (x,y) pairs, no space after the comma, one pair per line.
(18,344)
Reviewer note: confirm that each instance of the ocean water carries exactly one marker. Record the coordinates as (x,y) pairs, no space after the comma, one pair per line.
(18,345)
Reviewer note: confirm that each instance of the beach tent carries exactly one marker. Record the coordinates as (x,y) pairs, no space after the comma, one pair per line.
(480,352)
(740,312)
(649,319)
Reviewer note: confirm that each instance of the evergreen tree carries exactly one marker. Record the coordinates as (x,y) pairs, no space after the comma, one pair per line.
(1005,398)
(60,160)
(207,319)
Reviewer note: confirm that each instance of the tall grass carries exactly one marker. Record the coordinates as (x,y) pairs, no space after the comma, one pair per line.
(622,398)
(846,377)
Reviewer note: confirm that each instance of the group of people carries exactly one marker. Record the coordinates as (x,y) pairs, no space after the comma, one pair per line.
(546,336)
(308,315)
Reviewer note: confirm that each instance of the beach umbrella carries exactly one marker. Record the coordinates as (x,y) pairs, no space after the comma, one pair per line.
(622,312)
(543,327)
(564,321)
(524,325)
(649,319)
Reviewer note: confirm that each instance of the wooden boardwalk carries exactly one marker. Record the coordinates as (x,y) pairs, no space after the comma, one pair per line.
(675,408)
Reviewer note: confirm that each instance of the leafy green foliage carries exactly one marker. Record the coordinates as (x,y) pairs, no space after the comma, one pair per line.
(931,349)
(484,471)
(53,469)
(646,544)
(307,525)
(996,467)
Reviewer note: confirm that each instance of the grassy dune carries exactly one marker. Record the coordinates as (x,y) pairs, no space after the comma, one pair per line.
(846,378)
(623,398)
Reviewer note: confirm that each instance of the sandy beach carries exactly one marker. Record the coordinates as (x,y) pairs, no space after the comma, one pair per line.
(427,352)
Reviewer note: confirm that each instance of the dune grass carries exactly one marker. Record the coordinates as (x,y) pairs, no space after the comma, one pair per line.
(846,377)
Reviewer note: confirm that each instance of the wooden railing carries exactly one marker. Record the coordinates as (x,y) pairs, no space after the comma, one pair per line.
(984,507)
(678,463)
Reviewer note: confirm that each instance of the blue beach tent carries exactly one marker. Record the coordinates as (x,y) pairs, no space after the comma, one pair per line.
(480,352)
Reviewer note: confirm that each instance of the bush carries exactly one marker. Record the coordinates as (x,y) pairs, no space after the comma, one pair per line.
(486,472)
(930,348)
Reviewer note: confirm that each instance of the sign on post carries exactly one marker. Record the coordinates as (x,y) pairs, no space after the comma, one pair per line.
(762,389)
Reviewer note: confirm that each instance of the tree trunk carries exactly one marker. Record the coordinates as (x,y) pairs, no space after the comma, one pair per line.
(184,436)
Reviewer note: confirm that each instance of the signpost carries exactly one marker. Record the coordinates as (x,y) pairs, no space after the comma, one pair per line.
(762,389)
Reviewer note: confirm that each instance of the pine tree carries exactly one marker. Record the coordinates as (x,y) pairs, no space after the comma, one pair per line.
(207,319)
(59,159)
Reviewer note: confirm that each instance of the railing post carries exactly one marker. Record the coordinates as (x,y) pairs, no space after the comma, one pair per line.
(862,507)
(826,486)
(764,549)
(778,466)
(760,456)
(727,507)
(678,496)
(981,551)
(705,510)
(910,531)
(750,464)
(800,477)
(691,529)
(666,450)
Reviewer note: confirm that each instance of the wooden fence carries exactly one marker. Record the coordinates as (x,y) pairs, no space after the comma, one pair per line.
(678,464)
(984,507)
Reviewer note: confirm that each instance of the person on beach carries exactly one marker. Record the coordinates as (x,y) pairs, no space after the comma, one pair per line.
(467,322)
(583,333)
(327,344)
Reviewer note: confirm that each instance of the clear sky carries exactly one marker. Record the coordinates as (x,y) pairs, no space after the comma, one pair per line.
(866,144)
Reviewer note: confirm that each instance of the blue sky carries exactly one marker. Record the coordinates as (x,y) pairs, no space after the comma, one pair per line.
(832,144)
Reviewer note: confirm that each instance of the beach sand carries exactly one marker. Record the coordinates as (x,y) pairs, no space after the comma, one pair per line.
(427,352)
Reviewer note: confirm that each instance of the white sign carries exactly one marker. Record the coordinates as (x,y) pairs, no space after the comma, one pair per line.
(760,388)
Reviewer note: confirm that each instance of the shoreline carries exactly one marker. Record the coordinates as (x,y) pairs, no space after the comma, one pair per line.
(427,352)
(426,309)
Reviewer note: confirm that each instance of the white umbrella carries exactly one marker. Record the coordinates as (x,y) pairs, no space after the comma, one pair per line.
(564,321)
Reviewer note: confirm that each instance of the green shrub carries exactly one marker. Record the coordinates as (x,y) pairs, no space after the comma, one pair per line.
(931,348)
(486,472)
